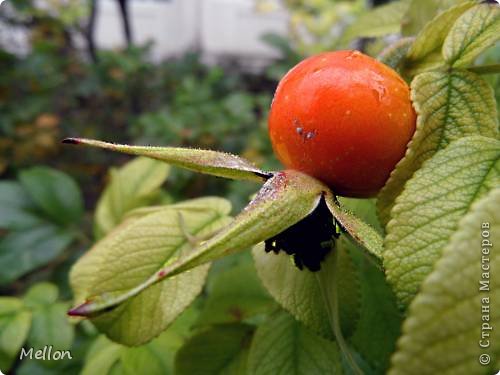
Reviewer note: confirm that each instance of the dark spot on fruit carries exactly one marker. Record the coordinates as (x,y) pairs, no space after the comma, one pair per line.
(310,135)
(298,126)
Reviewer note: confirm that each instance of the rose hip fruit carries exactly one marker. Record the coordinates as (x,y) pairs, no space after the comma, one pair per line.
(343,118)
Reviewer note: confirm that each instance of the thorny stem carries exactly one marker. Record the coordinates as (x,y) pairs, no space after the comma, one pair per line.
(332,307)
(485,69)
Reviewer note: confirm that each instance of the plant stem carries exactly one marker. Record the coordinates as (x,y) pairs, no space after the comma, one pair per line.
(332,306)
(485,69)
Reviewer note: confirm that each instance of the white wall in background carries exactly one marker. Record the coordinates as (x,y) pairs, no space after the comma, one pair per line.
(171,25)
(235,27)
(218,28)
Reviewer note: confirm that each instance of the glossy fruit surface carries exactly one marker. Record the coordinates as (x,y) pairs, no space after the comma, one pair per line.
(344,118)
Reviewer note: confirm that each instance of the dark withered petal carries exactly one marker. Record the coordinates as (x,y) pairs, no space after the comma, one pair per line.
(309,241)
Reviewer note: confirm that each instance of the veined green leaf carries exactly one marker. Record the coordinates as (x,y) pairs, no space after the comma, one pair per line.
(131,186)
(284,346)
(204,161)
(131,255)
(14,327)
(425,52)
(432,203)
(218,350)
(382,20)
(284,200)
(476,30)
(443,331)
(450,105)
(299,292)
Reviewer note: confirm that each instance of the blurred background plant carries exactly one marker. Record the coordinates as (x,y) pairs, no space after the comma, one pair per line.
(64,85)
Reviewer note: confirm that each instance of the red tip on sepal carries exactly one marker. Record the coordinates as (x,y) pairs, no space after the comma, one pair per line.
(71,141)
(80,310)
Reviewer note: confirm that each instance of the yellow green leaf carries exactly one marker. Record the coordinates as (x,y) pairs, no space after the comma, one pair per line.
(453,322)
(134,252)
(131,186)
(425,52)
(430,207)
(476,30)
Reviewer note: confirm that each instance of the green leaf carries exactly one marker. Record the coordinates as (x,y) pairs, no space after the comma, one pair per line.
(283,346)
(134,185)
(357,230)
(341,296)
(16,205)
(394,54)
(425,53)
(420,12)
(14,327)
(284,200)
(50,327)
(443,331)
(219,350)
(41,367)
(432,203)
(156,357)
(235,295)
(378,326)
(476,30)
(450,105)
(23,251)
(299,292)
(102,357)
(204,161)
(57,194)
(134,252)
(345,277)
(365,209)
(42,293)
(382,20)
